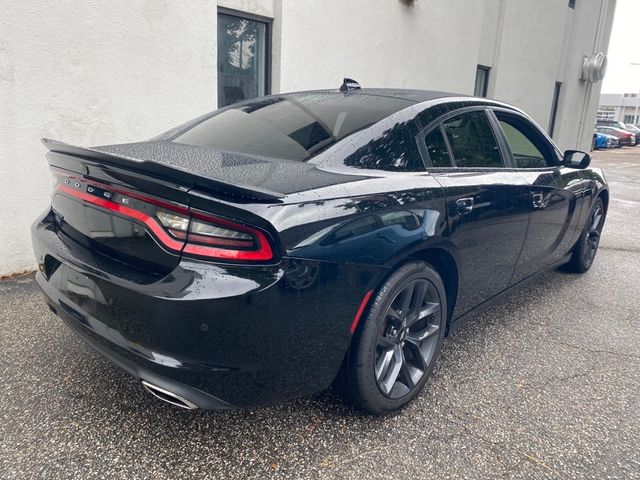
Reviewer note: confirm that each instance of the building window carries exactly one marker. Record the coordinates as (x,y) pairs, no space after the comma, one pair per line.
(572,3)
(243,67)
(628,119)
(554,108)
(482,81)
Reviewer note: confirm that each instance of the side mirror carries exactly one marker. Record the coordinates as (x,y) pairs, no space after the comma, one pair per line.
(576,159)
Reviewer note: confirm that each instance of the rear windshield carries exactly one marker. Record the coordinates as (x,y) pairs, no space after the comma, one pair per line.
(292,127)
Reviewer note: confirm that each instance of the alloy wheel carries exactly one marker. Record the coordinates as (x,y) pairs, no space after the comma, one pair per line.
(593,234)
(408,338)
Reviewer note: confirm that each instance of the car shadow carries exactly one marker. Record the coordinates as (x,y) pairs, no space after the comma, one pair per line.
(120,392)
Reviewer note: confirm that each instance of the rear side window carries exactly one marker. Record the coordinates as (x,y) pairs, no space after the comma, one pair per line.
(437,149)
(472,141)
(395,150)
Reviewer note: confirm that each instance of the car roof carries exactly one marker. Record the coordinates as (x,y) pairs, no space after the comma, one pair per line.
(417,96)
(414,95)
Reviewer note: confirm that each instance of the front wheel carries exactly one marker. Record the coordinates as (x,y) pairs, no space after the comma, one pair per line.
(396,347)
(585,250)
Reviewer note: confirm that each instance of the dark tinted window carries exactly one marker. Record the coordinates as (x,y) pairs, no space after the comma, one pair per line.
(292,127)
(528,147)
(438,153)
(395,150)
(472,141)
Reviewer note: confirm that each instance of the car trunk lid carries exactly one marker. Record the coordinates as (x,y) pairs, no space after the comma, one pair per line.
(130,206)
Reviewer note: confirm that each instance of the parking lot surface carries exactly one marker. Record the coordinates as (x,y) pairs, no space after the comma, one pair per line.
(545,384)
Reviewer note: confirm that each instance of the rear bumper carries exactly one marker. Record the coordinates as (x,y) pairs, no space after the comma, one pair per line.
(218,336)
(124,358)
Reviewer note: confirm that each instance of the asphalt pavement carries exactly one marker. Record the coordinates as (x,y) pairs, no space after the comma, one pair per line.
(546,384)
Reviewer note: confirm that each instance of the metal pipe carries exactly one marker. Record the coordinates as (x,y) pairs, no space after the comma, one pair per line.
(169,397)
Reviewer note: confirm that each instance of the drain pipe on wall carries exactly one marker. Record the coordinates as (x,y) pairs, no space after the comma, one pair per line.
(593,69)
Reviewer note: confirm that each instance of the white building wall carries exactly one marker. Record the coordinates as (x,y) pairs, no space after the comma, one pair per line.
(527,62)
(91,73)
(579,104)
(384,44)
(106,72)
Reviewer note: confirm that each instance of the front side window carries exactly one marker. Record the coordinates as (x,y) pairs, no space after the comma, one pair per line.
(472,141)
(242,59)
(528,147)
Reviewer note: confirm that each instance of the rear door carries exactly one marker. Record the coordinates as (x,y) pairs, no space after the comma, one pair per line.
(556,193)
(487,201)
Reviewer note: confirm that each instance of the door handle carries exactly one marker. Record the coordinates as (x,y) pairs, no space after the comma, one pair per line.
(464,205)
(537,199)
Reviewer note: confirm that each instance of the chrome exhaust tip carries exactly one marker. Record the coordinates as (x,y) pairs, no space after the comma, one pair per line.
(169,397)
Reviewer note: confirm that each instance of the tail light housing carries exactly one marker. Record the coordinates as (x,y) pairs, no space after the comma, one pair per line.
(206,235)
(176,227)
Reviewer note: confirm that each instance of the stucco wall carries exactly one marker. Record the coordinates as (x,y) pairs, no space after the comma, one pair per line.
(104,72)
(389,45)
(527,62)
(91,73)
(591,33)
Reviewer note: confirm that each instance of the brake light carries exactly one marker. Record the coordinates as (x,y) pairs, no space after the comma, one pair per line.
(176,228)
(211,236)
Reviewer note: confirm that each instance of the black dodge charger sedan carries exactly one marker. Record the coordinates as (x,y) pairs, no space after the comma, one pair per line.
(288,243)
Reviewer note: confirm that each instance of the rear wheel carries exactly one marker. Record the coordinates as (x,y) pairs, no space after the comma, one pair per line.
(395,349)
(585,250)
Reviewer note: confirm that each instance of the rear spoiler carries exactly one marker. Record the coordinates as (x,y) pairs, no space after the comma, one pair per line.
(164,172)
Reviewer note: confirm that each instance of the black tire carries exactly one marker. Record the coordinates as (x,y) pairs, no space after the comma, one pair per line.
(587,246)
(413,335)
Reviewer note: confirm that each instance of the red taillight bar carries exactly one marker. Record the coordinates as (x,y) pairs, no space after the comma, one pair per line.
(151,224)
(263,252)
(60,173)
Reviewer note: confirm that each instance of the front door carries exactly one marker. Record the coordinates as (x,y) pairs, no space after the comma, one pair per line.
(556,193)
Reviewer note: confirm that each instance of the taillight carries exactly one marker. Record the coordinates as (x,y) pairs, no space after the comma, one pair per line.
(176,228)
(211,236)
